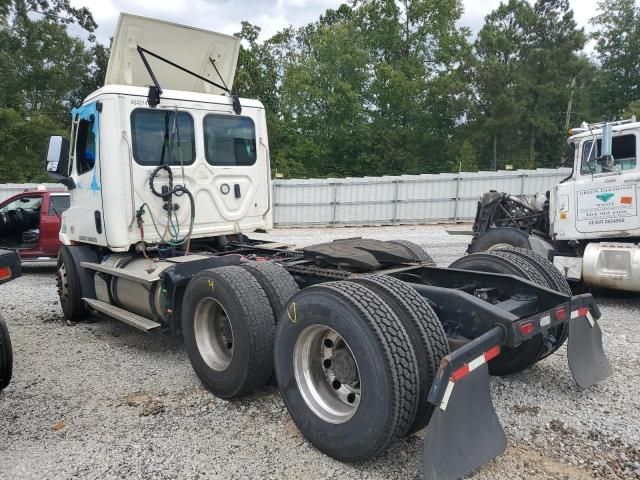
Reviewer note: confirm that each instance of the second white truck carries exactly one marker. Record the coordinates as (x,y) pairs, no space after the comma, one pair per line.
(589,224)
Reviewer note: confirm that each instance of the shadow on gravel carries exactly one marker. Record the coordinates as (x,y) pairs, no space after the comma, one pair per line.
(117,333)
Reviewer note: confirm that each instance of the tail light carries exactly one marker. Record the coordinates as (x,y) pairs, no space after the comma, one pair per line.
(5,273)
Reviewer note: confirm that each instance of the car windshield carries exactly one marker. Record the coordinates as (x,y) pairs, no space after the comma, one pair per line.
(31,204)
(623,156)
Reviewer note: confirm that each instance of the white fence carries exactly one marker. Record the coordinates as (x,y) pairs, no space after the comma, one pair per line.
(405,199)
(10,189)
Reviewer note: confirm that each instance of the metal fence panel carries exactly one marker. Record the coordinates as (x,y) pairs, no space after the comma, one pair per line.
(387,200)
(405,199)
(10,189)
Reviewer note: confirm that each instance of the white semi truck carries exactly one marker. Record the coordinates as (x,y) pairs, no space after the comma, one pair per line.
(589,224)
(168,172)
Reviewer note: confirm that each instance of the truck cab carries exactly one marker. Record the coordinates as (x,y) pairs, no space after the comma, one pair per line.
(588,224)
(600,197)
(130,144)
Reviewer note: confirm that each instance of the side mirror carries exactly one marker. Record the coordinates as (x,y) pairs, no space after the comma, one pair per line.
(58,161)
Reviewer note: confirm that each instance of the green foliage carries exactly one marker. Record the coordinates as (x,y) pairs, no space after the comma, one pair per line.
(376,87)
(45,72)
(617,36)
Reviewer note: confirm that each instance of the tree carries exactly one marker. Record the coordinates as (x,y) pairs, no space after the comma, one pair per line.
(526,60)
(617,48)
(44,73)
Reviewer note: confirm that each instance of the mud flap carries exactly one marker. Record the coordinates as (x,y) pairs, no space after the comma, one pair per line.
(587,361)
(464,432)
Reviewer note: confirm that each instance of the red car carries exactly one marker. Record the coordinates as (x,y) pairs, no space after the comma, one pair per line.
(30,223)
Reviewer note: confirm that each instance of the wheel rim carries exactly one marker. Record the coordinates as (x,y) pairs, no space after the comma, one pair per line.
(214,334)
(499,246)
(63,283)
(327,374)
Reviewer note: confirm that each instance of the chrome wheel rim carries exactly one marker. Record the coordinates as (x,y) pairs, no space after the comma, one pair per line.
(214,334)
(327,374)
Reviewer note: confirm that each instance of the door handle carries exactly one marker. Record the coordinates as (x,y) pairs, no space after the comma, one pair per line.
(236,190)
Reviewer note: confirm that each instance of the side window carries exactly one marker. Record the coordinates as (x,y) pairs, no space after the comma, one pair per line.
(162,137)
(623,156)
(229,141)
(86,146)
(58,204)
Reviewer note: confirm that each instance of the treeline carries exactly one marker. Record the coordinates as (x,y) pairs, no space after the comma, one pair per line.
(371,88)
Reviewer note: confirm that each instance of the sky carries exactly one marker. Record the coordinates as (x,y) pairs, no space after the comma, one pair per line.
(272,15)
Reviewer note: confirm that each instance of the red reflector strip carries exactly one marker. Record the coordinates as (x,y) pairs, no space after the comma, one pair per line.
(492,353)
(5,273)
(464,370)
(460,373)
(561,314)
(581,312)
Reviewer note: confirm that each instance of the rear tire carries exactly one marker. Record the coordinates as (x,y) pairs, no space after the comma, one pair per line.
(425,331)
(6,356)
(419,253)
(499,238)
(554,280)
(277,283)
(344,340)
(510,360)
(228,331)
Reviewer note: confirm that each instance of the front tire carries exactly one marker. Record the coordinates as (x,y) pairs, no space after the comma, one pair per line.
(228,330)
(70,286)
(499,238)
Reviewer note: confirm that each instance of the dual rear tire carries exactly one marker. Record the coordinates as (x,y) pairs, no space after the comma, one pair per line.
(526,264)
(355,361)
(228,324)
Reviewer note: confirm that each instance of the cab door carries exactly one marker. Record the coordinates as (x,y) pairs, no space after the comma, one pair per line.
(50,220)
(83,221)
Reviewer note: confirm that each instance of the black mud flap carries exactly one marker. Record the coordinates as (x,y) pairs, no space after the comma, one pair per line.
(464,432)
(587,361)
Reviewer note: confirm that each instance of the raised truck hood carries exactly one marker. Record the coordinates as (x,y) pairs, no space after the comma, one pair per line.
(190,47)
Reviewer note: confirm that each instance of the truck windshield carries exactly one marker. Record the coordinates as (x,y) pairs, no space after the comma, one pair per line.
(623,150)
(160,137)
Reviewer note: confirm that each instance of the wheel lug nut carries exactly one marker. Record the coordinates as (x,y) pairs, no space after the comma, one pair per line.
(327,363)
(351,397)
(336,385)
(328,343)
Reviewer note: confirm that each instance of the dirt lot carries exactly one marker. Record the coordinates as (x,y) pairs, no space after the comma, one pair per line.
(101,400)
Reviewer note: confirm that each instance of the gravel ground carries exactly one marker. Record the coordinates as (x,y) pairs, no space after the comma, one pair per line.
(100,400)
